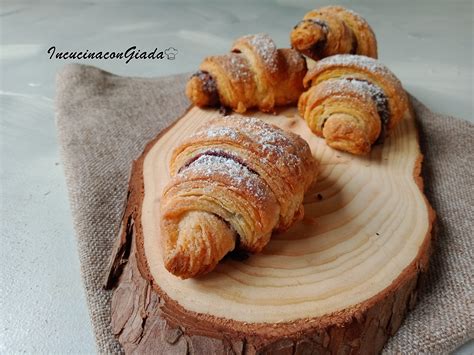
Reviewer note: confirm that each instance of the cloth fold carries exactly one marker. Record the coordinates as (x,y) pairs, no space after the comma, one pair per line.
(104,122)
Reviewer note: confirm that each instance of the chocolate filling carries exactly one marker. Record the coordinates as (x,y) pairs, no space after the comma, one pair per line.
(237,253)
(217,153)
(224,111)
(319,46)
(384,113)
(209,86)
(355,45)
(383,109)
(324,122)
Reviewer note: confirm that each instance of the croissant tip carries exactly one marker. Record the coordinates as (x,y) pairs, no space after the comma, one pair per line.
(201,90)
(179,265)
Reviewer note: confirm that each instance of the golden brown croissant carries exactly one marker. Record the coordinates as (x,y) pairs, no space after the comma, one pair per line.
(333,30)
(353,102)
(232,184)
(255,75)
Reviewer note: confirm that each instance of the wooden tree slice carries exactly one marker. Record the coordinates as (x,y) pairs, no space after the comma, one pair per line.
(340,281)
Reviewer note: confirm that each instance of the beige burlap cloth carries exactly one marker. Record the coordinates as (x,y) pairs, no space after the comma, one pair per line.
(104,122)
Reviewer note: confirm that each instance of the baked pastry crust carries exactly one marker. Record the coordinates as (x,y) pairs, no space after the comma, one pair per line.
(353,102)
(232,184)
(333,30)
(254,75)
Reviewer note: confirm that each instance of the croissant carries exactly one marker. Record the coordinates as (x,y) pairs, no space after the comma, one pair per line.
(232,184)
(333,30)
(255,75)
(353,102)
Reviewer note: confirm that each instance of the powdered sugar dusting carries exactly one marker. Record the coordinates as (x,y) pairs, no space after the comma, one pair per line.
(240,177)
(274,141)
(361,86)
(295,59)
(357,17)
(287,152)
(214,132)
(284,149)
(239,67)
(340,10)
(265,49)
(375,92)
(360,61)
(208,82)
(335,87)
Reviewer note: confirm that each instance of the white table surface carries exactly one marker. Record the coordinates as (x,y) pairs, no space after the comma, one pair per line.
(428,44)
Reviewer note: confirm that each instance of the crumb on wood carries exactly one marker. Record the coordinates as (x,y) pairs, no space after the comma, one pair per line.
(291,123)
(310,220)
(224,111)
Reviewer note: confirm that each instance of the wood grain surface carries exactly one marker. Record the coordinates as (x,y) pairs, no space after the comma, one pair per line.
(340,281)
